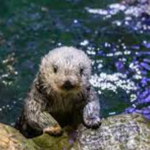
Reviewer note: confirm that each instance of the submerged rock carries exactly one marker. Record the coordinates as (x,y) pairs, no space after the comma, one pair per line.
(122,132)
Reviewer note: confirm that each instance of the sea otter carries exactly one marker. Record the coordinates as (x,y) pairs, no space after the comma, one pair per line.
(60,95)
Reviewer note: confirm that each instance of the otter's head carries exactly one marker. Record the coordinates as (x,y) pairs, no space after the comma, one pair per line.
(65,70)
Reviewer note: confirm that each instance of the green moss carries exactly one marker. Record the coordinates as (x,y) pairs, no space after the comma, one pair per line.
(47,142)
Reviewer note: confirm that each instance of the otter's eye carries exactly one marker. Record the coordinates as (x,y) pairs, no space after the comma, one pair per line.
(55,68)
(81,71)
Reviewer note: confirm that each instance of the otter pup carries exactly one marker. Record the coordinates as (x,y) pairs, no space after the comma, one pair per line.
(60,94)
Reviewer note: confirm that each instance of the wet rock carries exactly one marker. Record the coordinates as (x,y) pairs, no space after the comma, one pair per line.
(122,132)
(64,142)
(11,139)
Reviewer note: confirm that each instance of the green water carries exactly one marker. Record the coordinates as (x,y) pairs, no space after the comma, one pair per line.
(30,28)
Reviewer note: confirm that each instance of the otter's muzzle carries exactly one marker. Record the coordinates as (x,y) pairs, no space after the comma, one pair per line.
(68,86)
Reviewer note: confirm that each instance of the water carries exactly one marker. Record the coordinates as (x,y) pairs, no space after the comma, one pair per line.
(116,38)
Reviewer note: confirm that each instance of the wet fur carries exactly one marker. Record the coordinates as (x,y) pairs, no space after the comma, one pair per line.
(48,105)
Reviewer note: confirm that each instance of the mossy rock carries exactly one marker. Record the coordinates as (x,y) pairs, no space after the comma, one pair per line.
(122,132)
(11,139)
(64,142)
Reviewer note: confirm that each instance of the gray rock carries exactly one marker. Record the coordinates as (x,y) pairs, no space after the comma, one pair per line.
(122,132)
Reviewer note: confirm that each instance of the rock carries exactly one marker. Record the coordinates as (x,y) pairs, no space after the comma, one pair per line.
(122,132)
(11,139)
(64,142)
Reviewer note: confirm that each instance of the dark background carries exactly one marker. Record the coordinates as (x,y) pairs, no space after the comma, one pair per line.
(30,28)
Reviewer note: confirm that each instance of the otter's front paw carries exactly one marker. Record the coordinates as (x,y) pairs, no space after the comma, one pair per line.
(53,130)
(92,122)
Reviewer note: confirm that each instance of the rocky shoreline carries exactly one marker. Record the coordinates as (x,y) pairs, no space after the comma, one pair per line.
(121,132)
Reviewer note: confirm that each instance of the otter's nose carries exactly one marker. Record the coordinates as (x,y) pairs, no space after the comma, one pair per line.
(67,85)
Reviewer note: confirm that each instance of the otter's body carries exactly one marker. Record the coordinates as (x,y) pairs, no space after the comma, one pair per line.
(60,94)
